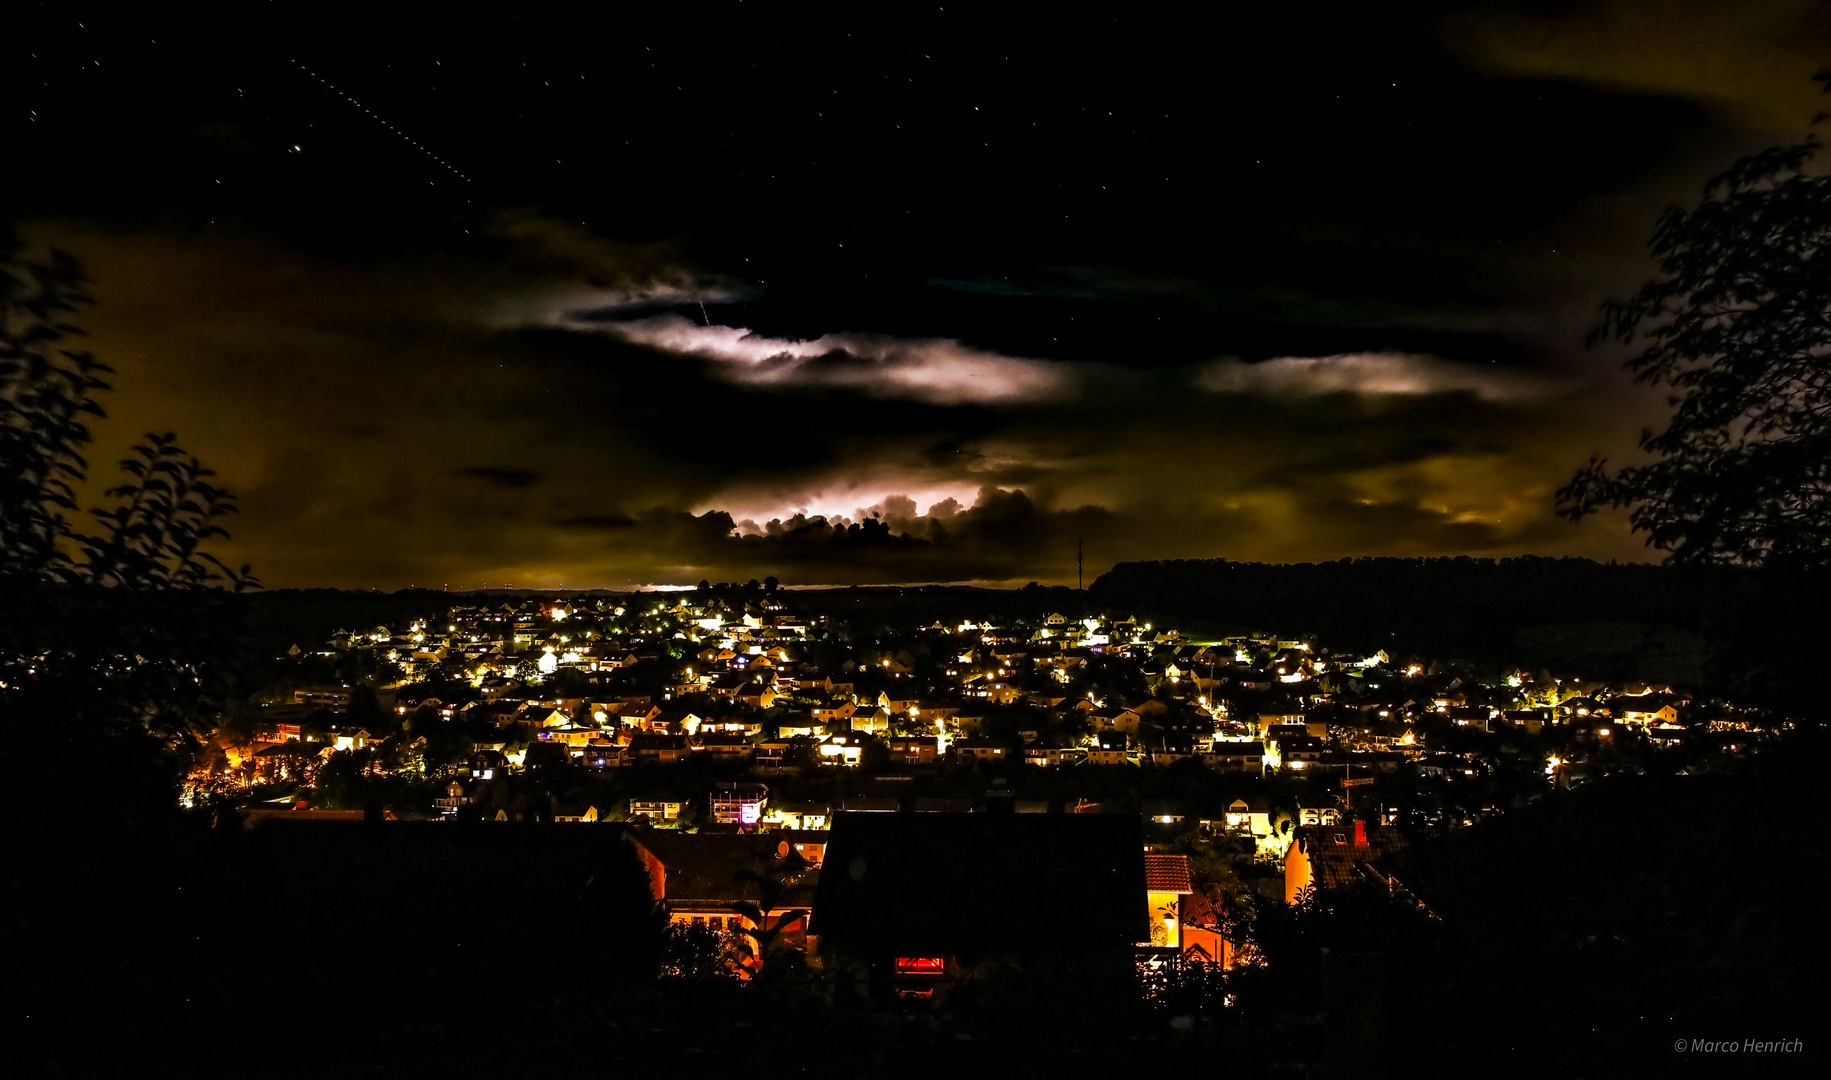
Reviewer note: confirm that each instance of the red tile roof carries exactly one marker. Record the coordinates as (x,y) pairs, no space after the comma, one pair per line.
(1167,873)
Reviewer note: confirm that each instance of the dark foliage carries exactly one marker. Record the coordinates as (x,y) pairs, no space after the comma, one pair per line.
(116,652)
(1736,325)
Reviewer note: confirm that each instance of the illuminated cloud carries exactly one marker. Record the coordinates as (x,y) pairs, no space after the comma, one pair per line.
(937,371)
(573,303)
(1372,374)
(845,499)
(380,433)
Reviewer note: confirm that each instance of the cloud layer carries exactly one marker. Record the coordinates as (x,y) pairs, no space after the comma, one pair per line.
(388,427)
(1374,375)
(934,371)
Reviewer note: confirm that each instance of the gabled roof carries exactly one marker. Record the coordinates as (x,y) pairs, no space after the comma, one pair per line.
(1167,873)
(730,868)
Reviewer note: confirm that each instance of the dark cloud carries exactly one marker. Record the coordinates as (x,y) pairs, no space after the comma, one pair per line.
(1306,458)
(500,477)
(1156,311)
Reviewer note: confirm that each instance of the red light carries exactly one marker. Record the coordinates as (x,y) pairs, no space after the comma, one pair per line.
(920,965)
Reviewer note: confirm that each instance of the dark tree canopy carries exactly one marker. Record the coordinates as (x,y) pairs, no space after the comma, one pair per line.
(121,655)
(1739,326)
(151,534)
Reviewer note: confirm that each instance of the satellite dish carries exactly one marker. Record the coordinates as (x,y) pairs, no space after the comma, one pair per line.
(782,849)
(856,868)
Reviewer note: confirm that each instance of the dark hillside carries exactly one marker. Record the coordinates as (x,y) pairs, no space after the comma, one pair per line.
(1734,631)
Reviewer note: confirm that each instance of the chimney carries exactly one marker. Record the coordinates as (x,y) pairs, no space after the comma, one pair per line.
(1360,833)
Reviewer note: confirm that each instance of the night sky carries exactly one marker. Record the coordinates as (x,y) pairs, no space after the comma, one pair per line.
(626,297)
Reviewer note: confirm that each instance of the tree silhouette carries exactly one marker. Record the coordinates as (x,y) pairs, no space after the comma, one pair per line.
(121,655)
(150,537)
(46,391)
(1739,325)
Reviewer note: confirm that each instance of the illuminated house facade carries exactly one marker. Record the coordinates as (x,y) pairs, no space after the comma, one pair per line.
(1333,856)
(739,804)
(1166,879)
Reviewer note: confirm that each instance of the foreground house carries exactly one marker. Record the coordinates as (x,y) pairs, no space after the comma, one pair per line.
(910,904)
(750,885)
(1166,881)
(1324,857)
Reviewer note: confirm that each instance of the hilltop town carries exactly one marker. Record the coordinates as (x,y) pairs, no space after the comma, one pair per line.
(709,721)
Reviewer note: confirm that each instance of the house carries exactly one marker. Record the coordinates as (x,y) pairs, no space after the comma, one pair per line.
(543,717)
(997,691)
(796,726)
(601,753)
(834,709)
(723,745)
(351,740)
(1294,751)
(1644,709)
(729,684)
(1532,720)
(871,721)
(988,751)
(1476,716)
(1205,926)
(488,762)
(772,757)
(1172,750)
(322,697)
(798,815)
(290,760)
(454,797)
(1162,811)
(841,750)
(1235,755)
(1583,706)
(757,695)
(1166,882)
(1115,719)
(732,883)
(1113,748)
(914,750)
(934,714)
(647,748)
(738,804)
(1333,856)
(571,736)
(575,812)
(655,808)
(909,903)
(1317,815)
(1244,815)
(638,714)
